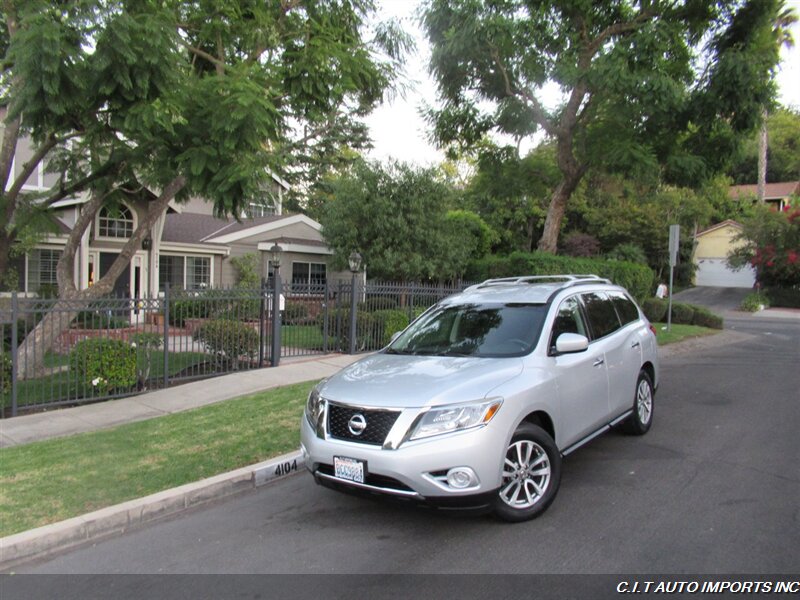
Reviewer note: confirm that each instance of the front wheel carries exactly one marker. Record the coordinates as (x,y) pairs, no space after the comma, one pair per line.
(642,417)
(531,475)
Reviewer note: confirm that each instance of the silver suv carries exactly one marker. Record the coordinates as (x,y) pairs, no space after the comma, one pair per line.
(476,402)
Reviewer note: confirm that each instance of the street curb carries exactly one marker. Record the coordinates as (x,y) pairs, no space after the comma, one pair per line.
(113,520)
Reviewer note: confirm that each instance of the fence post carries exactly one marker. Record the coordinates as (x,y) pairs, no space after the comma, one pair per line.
(166,334)
(325,324)
(353,306)
(262,322)
(276,318)
(14,353)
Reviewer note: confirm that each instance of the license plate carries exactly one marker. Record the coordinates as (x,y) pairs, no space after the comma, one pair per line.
(350,469)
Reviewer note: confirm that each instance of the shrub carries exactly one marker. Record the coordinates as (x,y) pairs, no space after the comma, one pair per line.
(580,244)
(786,297)
(376,303)
(105,365)
(682,314)
(295,313)
(369,330)
(5,373)
(629,253)
(655,309)
(391,321)
(637,279)
(705,318)
(228,340)
(99,319)
(754,302)
(187,308)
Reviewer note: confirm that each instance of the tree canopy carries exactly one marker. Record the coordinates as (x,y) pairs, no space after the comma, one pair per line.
(398,218)
(201,98)
(654,89)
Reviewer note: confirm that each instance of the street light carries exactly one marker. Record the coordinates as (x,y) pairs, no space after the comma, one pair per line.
(355,261)
(275,255)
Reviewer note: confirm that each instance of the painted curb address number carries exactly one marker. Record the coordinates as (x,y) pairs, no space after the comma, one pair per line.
(285,468)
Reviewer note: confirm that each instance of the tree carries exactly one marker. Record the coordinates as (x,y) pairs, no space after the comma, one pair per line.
(396,217)
(649,88)
(783,156)
(177,98)
(782,38)
(511,192)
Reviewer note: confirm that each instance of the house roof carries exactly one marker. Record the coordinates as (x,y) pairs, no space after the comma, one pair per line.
(722,225)
(193,228)
(773,191)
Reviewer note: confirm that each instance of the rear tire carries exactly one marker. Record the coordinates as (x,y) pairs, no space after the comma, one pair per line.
(642,417)
(531,475)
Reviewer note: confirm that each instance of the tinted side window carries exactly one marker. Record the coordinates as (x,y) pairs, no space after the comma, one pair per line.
(626,309)
(568,320)
(602,316)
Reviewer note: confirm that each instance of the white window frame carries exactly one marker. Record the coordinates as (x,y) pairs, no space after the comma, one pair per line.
(185,267)
(134,224)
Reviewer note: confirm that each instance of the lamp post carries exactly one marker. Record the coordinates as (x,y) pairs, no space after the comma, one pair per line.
(275,259)
(354,261)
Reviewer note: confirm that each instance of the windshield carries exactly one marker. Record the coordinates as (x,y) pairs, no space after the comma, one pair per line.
(485,330)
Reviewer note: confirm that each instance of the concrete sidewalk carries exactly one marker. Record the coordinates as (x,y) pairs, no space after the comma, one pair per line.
(102,415)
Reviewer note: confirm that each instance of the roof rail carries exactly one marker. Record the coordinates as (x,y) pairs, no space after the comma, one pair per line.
(566,279)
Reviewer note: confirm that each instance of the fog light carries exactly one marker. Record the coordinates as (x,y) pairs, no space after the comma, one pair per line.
(461,477)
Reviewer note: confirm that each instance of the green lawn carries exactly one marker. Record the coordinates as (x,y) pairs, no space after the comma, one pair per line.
(301,336)
(679,333)
(49,481)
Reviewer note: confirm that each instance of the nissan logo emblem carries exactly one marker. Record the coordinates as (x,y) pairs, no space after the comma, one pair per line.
(357,424)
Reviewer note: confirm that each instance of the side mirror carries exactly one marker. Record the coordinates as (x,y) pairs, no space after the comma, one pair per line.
(395,335)
(570,343)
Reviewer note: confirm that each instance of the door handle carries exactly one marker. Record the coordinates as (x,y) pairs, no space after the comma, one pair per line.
(635,345)
(599,362)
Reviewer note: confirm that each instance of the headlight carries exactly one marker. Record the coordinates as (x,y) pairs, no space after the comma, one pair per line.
(457,417)
(315,412)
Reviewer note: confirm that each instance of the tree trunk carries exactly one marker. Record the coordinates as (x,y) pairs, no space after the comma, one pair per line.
(555,212)
(762,157)
(72,301)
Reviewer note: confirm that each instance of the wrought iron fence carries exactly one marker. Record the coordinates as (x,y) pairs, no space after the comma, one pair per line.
(58,352)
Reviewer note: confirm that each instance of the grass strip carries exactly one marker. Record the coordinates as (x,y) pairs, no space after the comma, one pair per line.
(679,333)
(45,482)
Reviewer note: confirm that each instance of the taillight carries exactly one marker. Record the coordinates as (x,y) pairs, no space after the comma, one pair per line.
(653,329)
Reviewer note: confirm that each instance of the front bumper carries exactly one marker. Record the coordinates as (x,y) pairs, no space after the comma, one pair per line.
(414,471)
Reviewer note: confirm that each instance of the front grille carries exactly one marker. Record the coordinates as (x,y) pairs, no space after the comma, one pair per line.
(382,481)
(379,422)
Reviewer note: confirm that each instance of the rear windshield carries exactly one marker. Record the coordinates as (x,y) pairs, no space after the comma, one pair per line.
(485,330)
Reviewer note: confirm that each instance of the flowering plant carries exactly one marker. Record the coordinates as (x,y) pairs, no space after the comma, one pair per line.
(770,242)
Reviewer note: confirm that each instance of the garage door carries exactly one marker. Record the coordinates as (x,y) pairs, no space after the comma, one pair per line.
(715,272)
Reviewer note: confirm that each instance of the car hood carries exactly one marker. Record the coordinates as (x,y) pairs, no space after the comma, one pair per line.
(403,381)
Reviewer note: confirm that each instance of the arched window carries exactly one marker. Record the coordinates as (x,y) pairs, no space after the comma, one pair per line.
(115,222)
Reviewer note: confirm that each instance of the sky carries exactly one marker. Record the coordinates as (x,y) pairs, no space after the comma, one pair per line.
(399,132)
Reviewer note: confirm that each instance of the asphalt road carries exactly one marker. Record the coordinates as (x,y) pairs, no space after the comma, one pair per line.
(713,488)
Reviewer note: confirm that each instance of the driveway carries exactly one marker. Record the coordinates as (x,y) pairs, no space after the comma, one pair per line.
(716,299)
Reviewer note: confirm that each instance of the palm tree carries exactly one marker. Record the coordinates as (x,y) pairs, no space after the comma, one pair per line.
(782,35)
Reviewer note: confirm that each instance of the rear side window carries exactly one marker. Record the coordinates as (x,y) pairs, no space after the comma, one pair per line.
(626,309)
(602,316)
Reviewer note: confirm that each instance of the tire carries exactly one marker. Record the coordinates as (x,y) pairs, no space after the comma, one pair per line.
(642,417)
(531,475)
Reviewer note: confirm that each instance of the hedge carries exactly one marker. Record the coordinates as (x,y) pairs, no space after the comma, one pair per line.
(655,309)
(105,365)
(229,339)
(682,314)
(636,278)
(785,297)
(705,318)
